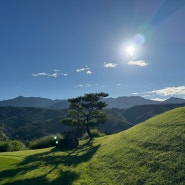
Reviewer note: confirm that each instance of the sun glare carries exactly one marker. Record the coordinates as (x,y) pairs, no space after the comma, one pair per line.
(130,50)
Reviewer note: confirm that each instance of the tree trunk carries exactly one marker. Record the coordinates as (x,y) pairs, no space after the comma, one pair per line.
(88,132)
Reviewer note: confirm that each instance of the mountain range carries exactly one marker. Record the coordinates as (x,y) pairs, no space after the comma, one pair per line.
(34,117)
(27,123)
(123,102)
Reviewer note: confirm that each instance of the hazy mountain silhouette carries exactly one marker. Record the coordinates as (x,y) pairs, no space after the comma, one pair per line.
(29,102)
(123,102)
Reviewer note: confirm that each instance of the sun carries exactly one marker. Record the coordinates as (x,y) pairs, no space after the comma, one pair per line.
(130,50)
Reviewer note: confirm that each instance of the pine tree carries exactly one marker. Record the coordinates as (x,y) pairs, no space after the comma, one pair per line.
(86,111)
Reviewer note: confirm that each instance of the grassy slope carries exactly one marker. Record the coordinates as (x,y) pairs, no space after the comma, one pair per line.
(152,152)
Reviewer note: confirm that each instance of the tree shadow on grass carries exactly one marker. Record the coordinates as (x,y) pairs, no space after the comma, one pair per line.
(40,166)
(66,178)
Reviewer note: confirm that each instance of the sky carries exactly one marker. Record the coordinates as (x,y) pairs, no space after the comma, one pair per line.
(61,49)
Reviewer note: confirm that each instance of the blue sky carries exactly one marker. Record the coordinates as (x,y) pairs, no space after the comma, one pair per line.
(60,49)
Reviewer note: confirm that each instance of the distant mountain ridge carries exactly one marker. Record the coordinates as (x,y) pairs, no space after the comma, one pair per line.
(174,100)
(123,102)
(126,102)
(21,101)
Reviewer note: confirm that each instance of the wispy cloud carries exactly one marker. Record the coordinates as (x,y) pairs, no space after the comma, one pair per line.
(169,91)
(55,74)
(80,70)
(141,63)
(158,99)
(39,74)
(85,85)
(109,65)
(135,93)
(86,69)
(64,74)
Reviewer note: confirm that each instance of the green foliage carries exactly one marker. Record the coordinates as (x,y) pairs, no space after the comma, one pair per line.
(116,122)
(94,133)
(3,136)
(138,114)
(11,145)
(1,133)
(86,111)
(45,142)
(27,123)
(97,133)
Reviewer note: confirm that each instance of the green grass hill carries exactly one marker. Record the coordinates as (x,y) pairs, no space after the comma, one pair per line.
(151,153)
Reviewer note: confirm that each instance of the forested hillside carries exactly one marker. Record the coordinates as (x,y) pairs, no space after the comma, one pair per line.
(28,123)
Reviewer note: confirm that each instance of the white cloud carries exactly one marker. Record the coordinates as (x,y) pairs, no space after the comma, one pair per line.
(89,72)
(158,99)
(85,85)
(88,85)
(80,70)
(141,63)
(169,91)
(64,74)
(40,74)
(55,74)
(135,93)
(86,69)
(109,65)
(56,70)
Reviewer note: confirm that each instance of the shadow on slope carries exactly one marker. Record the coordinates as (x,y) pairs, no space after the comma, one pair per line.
(49,168)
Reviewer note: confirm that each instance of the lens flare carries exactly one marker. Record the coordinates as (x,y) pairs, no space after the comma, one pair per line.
(139,39)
